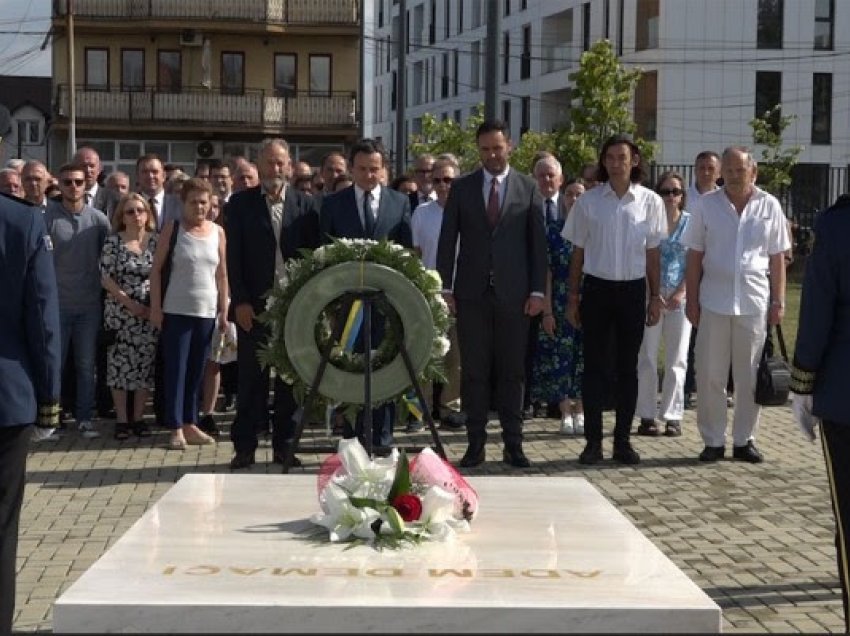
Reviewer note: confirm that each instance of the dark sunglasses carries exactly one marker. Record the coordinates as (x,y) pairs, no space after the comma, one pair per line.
(674,191)
(69,182)
(446,180)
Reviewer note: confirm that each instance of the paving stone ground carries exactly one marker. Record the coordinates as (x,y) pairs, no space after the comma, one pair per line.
(758,539)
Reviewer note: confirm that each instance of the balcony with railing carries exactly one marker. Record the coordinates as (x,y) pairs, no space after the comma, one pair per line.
(252,108)
(300,12)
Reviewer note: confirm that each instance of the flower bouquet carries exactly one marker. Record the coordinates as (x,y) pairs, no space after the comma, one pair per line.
(392,502)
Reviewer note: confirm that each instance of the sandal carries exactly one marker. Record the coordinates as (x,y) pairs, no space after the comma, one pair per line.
(122,431)
(648,428)
(673,429)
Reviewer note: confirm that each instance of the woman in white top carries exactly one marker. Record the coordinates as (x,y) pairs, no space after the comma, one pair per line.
(195,298)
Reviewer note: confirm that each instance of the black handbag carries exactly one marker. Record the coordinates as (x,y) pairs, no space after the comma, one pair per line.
(773,378)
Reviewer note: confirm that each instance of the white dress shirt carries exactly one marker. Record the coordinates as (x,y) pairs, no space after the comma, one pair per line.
(501,184)
(158,205)
(425,225)
(555,209)
(694,195)
(616,232)
(359,193)
(736,250)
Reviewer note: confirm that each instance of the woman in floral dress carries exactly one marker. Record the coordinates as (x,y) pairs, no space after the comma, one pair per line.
(558,360)
(125,266)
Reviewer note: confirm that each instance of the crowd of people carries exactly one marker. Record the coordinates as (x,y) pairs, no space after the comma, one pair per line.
(564,290)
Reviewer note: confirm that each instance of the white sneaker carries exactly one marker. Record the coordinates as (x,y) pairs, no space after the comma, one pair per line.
(567,424)
(88,430)
(578,420)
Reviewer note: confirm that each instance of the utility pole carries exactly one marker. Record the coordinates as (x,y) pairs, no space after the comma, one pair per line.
(72,95)
(491,61)
(401,88)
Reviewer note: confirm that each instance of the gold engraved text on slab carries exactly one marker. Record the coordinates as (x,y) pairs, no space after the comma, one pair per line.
(384,572)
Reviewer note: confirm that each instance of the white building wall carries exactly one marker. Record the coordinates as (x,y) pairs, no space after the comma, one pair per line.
(706,61)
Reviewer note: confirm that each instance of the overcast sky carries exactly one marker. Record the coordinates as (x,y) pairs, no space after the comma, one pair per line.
(23,25)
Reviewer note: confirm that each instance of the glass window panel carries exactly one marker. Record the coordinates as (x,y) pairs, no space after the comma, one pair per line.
(769,29)
(97,69)
(105,149)
(169,71)
(822,108)
(320,74)
(183,151)
(129,150)
(285,81)
(132,70)
(158,148)
(232,73)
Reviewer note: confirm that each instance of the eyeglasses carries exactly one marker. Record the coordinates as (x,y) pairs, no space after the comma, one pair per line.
(134,211)
(664,192)
(70,182)
(446,180)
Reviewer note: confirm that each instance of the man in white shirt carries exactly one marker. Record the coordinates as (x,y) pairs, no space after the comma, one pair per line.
(735,237)
(423,169)
(616,229)
(34,180)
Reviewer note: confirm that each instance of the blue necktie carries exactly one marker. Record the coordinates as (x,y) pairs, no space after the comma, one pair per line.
(368,219)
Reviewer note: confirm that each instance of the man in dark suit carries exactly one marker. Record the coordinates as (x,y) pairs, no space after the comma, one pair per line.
(97,196)
(266,225)
(819,374)
(368,210)
(150,179)
(30,362)
(499,283)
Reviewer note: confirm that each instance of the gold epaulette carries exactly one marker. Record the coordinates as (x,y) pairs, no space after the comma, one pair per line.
(48,415)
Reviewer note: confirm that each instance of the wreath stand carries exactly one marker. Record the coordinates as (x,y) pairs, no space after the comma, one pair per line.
(368,298)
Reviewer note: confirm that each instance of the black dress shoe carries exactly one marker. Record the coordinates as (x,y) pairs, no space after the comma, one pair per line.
(712,453)
(625,454)
(242,460)
(748,453)
(277,458)
(515,457)
(592,453)
(207,425)
(474,455)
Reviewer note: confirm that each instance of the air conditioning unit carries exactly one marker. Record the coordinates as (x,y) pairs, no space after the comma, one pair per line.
(190,37)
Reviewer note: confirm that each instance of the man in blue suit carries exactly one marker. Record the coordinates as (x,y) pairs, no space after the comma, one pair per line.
(30,363)
(368,210)
(821,356)
(266,225)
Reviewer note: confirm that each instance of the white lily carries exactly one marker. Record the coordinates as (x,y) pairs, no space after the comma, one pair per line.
(441,346)
(342,518)
(365,477)
(437,519)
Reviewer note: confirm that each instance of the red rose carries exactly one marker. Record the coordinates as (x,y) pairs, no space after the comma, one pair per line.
(408,506)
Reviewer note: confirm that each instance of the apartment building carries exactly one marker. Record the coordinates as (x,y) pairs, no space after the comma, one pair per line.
(190,80)
(709,67)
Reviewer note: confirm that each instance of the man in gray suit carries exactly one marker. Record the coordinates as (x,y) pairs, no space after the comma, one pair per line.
(497,285)
(96,196)
(150,179)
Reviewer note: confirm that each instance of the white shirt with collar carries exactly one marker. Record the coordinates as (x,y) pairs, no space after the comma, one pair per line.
(736,250)
(158,199)
(359,193)
(91,194)
(616,232)
(693,195)
(501,184)
(554,199)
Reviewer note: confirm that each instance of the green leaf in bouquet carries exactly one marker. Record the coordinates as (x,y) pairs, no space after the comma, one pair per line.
(401,483)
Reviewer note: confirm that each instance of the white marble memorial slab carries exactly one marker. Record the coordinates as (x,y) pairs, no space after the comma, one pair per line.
(227,553)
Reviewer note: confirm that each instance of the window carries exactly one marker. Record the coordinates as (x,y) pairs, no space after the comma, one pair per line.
(396,36)
(506,58)
(285,74)
(768,92)
(232,73)
(523,5)
(320,75)
(432,24)
(525,58)
(477,20)
(460,16)
(380,13)
(507,7)
(418,26)
(394,91)
(822,108)
(621,20)
(455,71)
(447,20)
(646,34)
(769,28)
(446,77)
(390,52)
(646,106)
(97,70)
(458,116)
(525,116)
(168,71)
(132,69)
(824,24)
(585,26)
(810,189)
(475,65)
(606,18)
(506,112)
(29,132)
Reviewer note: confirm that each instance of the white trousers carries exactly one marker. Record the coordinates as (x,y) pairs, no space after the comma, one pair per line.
(675,330)
(721,339)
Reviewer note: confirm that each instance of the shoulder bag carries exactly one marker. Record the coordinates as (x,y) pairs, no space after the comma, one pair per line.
(773,378)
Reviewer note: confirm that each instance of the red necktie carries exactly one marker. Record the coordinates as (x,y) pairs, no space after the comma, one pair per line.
(493,203)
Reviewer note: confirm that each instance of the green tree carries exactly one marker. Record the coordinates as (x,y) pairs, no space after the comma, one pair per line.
(776,162)
(438,137)
(600,107)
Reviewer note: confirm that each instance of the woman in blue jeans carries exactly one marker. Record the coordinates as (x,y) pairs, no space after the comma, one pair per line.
(195,299)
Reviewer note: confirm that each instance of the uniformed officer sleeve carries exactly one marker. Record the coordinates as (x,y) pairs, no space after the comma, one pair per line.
(41,315)
(817,309)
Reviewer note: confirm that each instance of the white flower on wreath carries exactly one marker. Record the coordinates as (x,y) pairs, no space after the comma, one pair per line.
(365,477)
(438,298)
(319,255)
(395,247)
(434,275)
(441,346)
